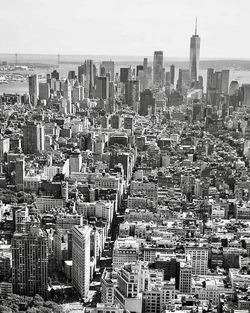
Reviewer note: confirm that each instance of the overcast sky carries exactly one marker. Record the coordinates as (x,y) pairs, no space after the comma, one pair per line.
(125,27)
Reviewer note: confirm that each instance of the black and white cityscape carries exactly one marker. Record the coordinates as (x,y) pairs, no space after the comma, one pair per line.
(124,179)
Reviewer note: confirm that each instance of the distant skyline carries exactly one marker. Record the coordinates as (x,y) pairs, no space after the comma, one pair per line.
(125,28)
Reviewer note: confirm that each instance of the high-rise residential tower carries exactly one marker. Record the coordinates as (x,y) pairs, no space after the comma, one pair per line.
(157,69)
(194,55)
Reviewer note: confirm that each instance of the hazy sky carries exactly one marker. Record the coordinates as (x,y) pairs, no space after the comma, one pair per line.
(125,27)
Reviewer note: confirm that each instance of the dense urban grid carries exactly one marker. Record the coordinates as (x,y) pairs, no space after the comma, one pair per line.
(126,192)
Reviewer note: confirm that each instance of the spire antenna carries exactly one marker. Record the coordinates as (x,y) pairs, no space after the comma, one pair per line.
(196,26)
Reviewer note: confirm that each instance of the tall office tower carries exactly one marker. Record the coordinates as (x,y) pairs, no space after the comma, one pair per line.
(33,89)
(33,138)
(71,75)
(111,90)
(199,258)
(210,79)
(44,91)
(102,71)
(164,77)
(245,89)
(194,55)
(185,282)
(172,74)
(81,258)
(183,82)
(109,68)
(67,90)
(90,72)
(30,263)
(224,81)
(150,77)
(20,172)
(75,162)
(87,71)
(21,219)
(125,73)
(77,92)
(234,88)
(157,69)
(102,87)
(67,95)
(81,73)
(48,79)
(200,82)
(138,69)
(168,78)
(132,92)
(234,94)
(55,75)
(147,103)
(145,75)
(218,81)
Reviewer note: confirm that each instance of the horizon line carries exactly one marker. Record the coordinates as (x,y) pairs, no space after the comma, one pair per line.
(128,56)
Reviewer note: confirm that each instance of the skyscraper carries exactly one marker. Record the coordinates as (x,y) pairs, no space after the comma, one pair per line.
(109,67)
(75,162)
(44,91)
(125,74)
(81,258)
(194,55)
(102,87)
(183,82)
(67,95)
(81,72)
(157,68)
(172,74)
(145,74)
(245,90)
(67,90)
(33,89)
(33,138)
(30,262)
(168,78)
(87,71)
(55,75)
(147,103)
(224,81)
(185,282)
(77,92)
(138,69)
(20,171)
(132,92)
(217,82)
(71,75)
